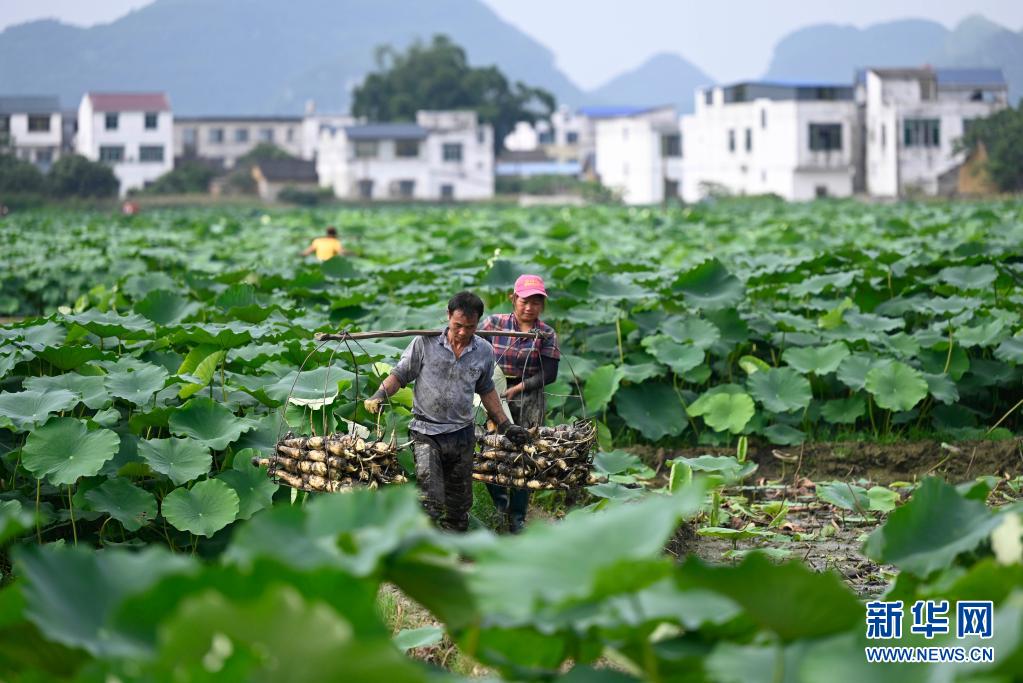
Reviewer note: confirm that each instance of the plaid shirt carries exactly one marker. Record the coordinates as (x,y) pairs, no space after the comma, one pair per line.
(517,356)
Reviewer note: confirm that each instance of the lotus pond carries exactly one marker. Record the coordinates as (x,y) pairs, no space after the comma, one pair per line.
(773,386)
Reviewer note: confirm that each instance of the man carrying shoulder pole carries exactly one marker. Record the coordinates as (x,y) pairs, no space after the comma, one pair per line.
(448,369)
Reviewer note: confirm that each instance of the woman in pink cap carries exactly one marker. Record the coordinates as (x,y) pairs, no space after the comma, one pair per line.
(528,364)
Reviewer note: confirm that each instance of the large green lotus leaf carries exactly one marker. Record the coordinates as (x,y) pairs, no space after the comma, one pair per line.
(208,422)
(224,336)
(931,530)
(502,275)
(130,505)
(696,331)
(71,593)
(844,495)
(896,386)
(38,337)
(64,450)
(709,285)
(1011,350)
(164,307)
(601,387)
(969,277)
(724,411)
(616,287)
(676,356)
(14,520)
(936,359)
(652,408)
(639,373)
(312,388)
(942,388)
(182,460)
(199,372)
(69,357)
(784,435)
(618,462)
(510,590)
(780,390)
(725,467)
(819,360)
(237,295)
(254,488)
(988,333)
(26,409)
(110,324)
(139,286)
(204,509)
(789,599)
(410,638)
(852,371)
(844,410)
(818,283)
(134,382)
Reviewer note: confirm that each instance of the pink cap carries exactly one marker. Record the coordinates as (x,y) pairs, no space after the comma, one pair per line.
(528,285)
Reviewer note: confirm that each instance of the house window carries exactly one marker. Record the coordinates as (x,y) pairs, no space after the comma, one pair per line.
(452,151)
(241,135)
(820,191)
(481,136)
(38,124)
(290,134)
(670,189)
(151,153)
(825,137)
(884,136)
(763,118)
(110,121)
(151,119)
(671,145)
(731,140)
(447,191)
(216,136)
(749,139)
(406,149)
(5,124)
(365,149)
(365,189)
(111,153)
(189,136)
(921,133)
(546,137)
(266,134)
(708,97)
(406,188)
(571,137)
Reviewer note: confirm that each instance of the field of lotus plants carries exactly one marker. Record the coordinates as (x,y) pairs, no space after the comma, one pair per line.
(146,361)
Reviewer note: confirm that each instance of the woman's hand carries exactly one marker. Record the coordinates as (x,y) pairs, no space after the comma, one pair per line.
(514,391)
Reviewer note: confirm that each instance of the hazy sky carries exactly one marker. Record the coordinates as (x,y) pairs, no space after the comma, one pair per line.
(594,40)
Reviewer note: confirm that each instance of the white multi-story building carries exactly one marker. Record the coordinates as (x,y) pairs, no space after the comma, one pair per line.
(133,132)
(223,139)
(31,127)
(793,140)
(912,119)
(446,155)
(569,136)
(638,152)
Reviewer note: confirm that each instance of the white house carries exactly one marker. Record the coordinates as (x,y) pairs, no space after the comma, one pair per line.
(569,136)
(912,119)
(638,152)
(794,140)
(224,139)
(444,155)
(133,132)
(31,126)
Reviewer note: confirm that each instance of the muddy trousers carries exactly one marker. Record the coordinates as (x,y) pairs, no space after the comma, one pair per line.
(526,410)
(444,476)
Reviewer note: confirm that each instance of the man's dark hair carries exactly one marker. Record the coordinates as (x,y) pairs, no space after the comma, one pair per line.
(468,303)
(332,232)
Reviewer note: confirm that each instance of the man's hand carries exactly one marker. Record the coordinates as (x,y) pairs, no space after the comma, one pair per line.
(514,433)
(375,403)
(514,391)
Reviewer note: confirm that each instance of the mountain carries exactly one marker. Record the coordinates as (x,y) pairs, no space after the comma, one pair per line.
(665,78)
(258,56)
(828,52)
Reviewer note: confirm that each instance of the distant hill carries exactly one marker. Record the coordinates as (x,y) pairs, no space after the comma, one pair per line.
(663,79)
(829,52)
(258,56)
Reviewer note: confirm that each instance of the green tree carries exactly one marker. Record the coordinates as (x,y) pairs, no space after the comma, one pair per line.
(189,176)
(76,176)
(438,76)
(20,177)
(1002,137)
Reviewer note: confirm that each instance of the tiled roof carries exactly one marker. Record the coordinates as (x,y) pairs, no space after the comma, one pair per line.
(283,170)
(29,104)
(129,101)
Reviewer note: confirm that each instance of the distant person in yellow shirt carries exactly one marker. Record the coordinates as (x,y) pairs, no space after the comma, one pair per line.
(326,247)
